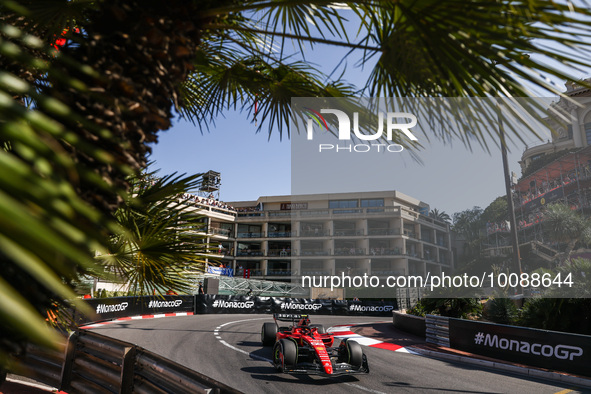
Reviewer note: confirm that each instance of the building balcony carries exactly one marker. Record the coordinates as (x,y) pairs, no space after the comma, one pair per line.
(315,233)
(278,272)
(350,252)
(383,231)
(250,235)
(348,233)
(283,252)
(249,253)
(313,252)
(281,234)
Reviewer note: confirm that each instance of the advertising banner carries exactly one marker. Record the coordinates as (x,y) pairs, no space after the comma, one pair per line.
(371,308)
(547,198)
(206,304)
(538,348)
(301,305)
(209,304)
(115,307)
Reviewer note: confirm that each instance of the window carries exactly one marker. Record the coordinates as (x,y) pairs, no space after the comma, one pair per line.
(374,202)
(342,204)
(588,132)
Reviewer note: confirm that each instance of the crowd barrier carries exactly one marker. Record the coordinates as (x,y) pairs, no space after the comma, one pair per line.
(537,348)
(553,350)
(94,363)
(112,308)
(206,304)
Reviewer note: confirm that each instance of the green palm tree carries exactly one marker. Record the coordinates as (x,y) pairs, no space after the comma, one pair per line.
(564,225)
(161,236)
(440,215)
(92,108)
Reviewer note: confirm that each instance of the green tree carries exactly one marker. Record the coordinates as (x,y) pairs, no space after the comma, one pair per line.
(162,236)
(497,211)
(501,310)
(450,307)
(468,225)
(440,215)
(562,224)
(93,107)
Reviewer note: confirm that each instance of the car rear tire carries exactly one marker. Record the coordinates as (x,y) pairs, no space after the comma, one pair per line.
(350,352)
(268,334)
(285,354)
(320,327)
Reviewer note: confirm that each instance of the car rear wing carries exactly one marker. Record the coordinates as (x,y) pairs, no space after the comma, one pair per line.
(291,317)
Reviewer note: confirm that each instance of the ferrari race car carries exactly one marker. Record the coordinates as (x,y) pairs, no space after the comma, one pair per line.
(304,348)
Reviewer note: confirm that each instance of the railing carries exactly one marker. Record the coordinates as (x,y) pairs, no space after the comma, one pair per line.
(310,272)
(315,233)
(281,234)
(313,252)
(250,235)
(348,232)
(384,251)
(279,252)
(251,253)
(349,252)
(278,272)
(220,231)
(94,363)
(437,331)
(383,231)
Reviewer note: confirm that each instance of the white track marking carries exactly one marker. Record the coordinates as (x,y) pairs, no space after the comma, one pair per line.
(364,388)
(216,333)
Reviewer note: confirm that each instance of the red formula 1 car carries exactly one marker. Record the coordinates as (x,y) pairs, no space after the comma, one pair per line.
(305,348)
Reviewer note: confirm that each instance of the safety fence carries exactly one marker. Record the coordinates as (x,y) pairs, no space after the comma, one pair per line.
(437,330)
(553,350)
(111,308)
(94,363)
(208,304)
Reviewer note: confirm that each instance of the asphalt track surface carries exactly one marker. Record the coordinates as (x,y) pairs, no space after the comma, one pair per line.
(228,348)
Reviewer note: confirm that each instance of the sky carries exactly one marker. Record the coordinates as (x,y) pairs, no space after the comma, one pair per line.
(452,178)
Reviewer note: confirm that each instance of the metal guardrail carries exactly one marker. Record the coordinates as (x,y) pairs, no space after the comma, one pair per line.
(94,363)
(437,330)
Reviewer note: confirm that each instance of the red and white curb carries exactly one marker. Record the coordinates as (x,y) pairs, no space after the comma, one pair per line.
(344,331)
(95,325)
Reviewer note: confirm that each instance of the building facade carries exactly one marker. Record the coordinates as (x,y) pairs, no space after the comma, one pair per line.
(569,135)
(280,237)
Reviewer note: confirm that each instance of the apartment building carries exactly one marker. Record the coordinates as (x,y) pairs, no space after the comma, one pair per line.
(282,237)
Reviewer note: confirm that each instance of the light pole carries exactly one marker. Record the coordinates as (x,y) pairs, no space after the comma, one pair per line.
(510,206)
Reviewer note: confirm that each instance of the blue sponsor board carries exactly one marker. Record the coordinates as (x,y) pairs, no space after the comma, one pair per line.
(220,271)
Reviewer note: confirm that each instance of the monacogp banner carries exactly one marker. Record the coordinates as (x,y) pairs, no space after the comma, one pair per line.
(116,307)
(205,304)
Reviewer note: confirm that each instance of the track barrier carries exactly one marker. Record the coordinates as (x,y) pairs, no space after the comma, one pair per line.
(552,350)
